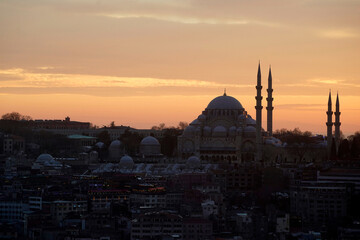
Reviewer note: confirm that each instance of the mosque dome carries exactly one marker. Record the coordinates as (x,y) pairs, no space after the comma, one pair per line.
(225,102)
(193,162)
(44,158)
(150,146)
(126,162)
(115,150)
(219,131)
(115,144)
(149,140)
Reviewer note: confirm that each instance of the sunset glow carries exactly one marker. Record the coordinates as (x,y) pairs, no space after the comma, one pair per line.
(141,63)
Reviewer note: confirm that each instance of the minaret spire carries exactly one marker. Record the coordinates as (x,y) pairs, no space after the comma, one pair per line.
(269,107)
(258,108)
(337,123)
(329,124)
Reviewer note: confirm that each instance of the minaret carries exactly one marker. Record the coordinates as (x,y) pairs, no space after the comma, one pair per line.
(269,107)
(258,108)
(329,124)
(337,122)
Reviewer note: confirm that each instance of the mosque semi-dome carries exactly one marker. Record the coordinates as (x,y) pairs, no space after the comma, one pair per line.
(225,102)
(219,131)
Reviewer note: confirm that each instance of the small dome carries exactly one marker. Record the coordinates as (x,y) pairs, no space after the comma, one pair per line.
(149,140)
(232,130)
(42,158)
(193,162)
(250,120)
(207,131)
(150,146)
(219,131)
(189,130)
(249,129)
(201,117)
(126,162)
(115,144)
(241,117)
(195,122)
(225,102)
(100,145)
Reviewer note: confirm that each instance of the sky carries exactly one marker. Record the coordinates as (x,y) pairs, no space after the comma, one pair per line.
(145,62)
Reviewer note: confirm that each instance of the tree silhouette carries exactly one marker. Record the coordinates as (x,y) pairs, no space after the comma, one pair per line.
(15,116)
(344,149)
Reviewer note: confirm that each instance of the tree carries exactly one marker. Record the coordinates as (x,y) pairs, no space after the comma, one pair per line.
(15,116)
(182,125)
(131,140)
(169,141)
(344,149)
(299,143)
(160,127)
(104,137)
(355,145)
(112,124)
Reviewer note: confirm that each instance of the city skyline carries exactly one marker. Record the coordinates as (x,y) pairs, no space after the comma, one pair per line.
(141,63)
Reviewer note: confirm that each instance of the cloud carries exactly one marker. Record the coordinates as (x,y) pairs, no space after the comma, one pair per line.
(45,68)
(189,19)
(327,81)
(301,107)
(40,83)
(337,82)
(339,34)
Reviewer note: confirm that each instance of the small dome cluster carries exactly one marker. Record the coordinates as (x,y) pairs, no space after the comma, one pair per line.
(46,160)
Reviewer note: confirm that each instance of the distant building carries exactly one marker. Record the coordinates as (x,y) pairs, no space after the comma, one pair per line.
(13,144)
(59,124)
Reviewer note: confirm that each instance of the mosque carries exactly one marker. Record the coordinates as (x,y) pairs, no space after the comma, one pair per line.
(225,132)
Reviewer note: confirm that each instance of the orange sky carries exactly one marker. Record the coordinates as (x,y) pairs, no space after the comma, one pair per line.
(140,63)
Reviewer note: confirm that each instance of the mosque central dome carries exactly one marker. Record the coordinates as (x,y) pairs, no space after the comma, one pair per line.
(225,102)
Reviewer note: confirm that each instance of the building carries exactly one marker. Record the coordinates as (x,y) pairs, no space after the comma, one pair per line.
(317,203)
(59,124)
(225,133)
(156,225)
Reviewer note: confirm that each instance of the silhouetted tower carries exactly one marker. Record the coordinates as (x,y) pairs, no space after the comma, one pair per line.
(258,108)
(329,124)
(337,123)
(269,107)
